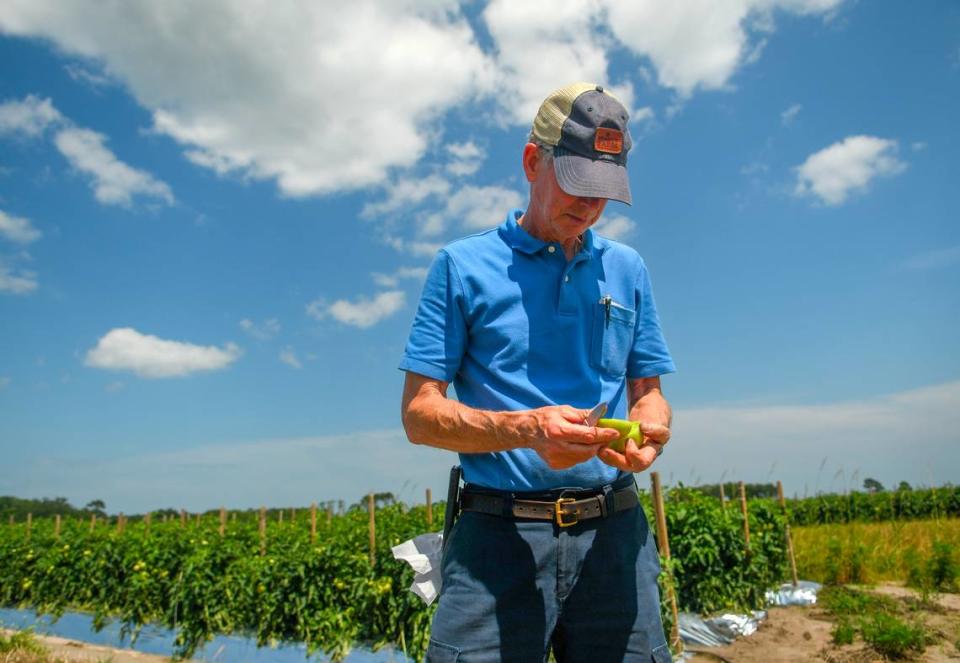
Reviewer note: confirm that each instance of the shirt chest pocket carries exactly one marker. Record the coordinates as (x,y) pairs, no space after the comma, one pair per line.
(612,337)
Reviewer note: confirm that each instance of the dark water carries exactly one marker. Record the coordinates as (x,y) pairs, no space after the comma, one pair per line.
(153,640)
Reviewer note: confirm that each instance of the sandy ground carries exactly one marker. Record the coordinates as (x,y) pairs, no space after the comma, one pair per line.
(798,634)
(73,651)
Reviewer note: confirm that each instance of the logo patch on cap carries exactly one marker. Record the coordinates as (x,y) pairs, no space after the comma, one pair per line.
(608,140)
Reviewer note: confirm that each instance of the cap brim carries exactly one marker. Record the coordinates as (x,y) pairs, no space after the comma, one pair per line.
(592,178)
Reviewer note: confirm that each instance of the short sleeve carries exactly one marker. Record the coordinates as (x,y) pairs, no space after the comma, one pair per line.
(649,355)
(438,335)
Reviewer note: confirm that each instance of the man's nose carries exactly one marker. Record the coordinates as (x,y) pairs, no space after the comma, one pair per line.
(589,203)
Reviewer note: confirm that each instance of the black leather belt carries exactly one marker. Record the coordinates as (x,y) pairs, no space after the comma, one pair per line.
(569,507)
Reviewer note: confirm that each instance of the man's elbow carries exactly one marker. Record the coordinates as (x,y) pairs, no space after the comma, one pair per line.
(413,426)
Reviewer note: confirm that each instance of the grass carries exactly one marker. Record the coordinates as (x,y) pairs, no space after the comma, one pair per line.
(23,647)
(923,553)
(882,622)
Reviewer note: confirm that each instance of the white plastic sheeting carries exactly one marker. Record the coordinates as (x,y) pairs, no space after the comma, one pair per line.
(805,593)
(423,554)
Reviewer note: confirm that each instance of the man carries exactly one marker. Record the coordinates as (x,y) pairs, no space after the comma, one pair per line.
(535,322)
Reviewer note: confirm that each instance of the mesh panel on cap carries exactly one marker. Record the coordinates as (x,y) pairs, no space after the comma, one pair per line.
(555,110)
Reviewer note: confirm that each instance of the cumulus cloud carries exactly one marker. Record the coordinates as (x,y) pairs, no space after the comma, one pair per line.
(406,193)
(700,44)
(29,117)
(17,229)
(402,273)
(472,208)
(788,116)
(126,349)
(465,158)
(846,167)
(363,312)
(615,226)
(15,280)
(263,331)
(354,90)
(113,181)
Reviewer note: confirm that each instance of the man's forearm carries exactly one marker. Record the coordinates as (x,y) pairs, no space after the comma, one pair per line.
(648,404)
(438,421)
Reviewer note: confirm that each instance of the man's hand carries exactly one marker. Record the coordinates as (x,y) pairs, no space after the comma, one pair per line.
(634,458)
(560,437)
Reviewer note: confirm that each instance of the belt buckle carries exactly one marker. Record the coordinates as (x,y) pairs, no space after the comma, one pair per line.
(558,512)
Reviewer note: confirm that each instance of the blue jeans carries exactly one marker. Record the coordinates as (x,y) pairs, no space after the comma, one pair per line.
(514,588)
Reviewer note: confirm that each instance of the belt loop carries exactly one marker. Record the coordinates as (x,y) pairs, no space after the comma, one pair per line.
(507,505)
(606,502)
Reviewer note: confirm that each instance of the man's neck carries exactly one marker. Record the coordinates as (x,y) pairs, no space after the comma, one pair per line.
(570,246)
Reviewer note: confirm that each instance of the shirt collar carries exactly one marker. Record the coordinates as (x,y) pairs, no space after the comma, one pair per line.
(518,238)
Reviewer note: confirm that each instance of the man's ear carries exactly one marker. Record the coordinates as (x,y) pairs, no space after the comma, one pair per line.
(531,160)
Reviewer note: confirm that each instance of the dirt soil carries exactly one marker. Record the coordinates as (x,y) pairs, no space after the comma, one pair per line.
(74,651)
(797,634)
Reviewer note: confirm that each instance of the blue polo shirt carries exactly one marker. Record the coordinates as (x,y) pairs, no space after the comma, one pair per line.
(514,326)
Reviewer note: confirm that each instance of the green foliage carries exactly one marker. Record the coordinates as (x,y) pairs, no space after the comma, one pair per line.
(713,569)
(328,595)
(876,618)
(20,641)
(40,508)
(902,504)
(891,636)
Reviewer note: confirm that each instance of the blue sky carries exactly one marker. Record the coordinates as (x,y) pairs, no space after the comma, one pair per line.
(215,222)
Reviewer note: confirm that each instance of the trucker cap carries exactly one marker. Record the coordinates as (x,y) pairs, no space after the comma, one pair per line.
(587,128)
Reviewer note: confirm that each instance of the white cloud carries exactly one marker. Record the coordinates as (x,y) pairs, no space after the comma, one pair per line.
(466,158)
(868,435)
(126,349)
(406,193)
(472,208)
(263,331)
(934,259)
(788,116)
(845,167)
(615,226)
(289,357)
(416,248)
(29,117)
(402,273)
(17,229)
(539,51)
(319,96)
(114,182)
(16,281)
(700,44)
(364,312)
(82,75)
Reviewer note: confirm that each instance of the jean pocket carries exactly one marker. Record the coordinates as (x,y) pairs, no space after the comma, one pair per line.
(661,654)
(612,338)
(441,652)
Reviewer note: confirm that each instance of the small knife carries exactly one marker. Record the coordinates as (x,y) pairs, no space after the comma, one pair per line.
(598,411)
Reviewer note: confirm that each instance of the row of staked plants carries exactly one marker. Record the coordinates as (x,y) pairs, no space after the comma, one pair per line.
(930,503)
(327,594)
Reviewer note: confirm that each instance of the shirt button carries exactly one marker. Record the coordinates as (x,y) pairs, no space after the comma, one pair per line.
(566,279)
(551,248)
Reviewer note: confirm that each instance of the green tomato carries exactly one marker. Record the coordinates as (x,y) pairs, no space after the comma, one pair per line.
(629,430)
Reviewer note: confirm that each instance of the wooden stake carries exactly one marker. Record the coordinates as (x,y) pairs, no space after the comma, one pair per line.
(120,523)
(93,521)
(233,517)
(293,515)
(183,518)
(723,498)
(29,524)
(329,514)
(263,531)
(147,519)
(786,516)
(746,520)
(373,529)
(313,523)
(663,542)
(429,508)
(223,521)
(196,520)
(56,527)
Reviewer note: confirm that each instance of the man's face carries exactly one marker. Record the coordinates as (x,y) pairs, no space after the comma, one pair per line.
(563,216)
